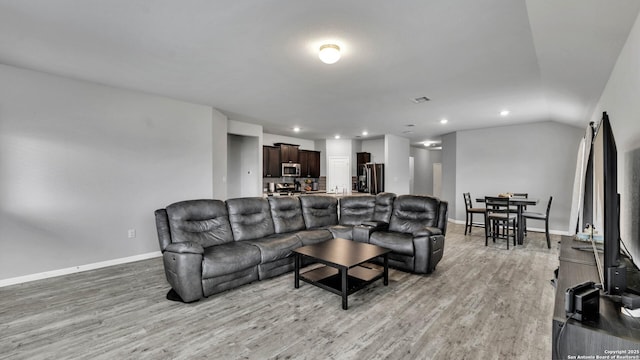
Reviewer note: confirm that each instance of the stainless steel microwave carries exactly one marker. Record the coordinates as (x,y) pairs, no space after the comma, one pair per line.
(291,169)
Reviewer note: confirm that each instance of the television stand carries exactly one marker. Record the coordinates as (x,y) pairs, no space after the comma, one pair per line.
(587,248)
(611,332)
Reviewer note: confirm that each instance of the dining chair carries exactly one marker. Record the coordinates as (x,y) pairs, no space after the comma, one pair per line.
(500,220)
(470,211)
(524,208)
(541,216)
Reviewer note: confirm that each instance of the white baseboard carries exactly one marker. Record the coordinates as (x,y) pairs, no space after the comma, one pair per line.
(77,269)
(551,231)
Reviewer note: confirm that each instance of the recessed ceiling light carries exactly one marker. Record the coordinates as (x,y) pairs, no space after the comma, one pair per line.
(364,133)
(329,53)
(337,137)
(504,112)
(296,129)
(410,125)
(444,121)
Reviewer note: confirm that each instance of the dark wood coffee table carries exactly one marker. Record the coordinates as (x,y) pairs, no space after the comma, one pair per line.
(345,271)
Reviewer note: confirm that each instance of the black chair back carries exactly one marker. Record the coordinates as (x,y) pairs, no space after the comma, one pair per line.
(549,205)
(467,201)
(497,205)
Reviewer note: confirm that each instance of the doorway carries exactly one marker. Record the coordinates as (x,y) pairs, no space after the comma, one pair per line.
(339,174)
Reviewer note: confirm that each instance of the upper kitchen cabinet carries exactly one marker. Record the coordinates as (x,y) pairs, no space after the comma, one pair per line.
(309,163)
(288,153)
(271,161)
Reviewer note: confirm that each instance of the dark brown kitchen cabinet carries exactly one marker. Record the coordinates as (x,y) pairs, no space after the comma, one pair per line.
(361,159)
(314,164)
(309,163)
(288,153)
(271,161)
(303,158)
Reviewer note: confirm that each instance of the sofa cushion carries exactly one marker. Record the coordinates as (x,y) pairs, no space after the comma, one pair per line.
(250,218)
(204,222)
(310,237)
(356,209)
(275,247)
(401,243)
(229,258)
(319,211)
(384,207)
(412,213)
(286,214)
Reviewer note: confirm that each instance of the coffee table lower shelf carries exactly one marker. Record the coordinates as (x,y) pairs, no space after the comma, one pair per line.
(328,278)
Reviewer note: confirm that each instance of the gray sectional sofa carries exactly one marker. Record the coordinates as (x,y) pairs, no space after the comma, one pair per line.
(210,246)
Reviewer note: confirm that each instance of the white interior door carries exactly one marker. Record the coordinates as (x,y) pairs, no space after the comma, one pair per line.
(437,180)
(339,174)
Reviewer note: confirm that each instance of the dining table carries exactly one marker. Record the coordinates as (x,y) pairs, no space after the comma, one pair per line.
(520,203)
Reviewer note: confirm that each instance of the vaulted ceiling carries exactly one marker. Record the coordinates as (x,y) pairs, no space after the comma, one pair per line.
(256,60)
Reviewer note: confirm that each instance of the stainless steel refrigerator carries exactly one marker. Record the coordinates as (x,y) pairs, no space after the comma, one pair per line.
(374,181)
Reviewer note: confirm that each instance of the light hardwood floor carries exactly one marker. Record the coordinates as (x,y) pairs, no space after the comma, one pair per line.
(481,303)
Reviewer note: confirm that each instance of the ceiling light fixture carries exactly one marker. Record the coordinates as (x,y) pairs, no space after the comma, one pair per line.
(337,137)
(329,53)
(504,113)
(364,133)
(444,121)
(296,129)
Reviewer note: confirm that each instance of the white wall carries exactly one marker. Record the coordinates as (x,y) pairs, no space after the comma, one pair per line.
(321,145)
(620,101)
(81,163)
(375,148)
(219,154)
(396,164)
(449,172)
(537,158)
(423,169)
(234,151)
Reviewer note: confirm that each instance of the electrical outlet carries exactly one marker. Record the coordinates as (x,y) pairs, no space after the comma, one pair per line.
(131,233)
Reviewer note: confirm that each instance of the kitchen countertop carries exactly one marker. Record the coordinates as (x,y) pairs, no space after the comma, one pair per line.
(319,192)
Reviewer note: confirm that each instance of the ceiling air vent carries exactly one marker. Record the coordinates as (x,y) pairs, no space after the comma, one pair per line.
(420,99)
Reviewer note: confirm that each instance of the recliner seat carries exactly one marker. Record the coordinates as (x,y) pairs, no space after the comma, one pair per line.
(415,234)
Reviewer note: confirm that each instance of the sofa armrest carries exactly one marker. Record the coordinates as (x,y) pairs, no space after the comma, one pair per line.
(186,247)
(361,233)
(427,231)
(443,218)
(183,269)
(162,226)
(376,225)
(428,252)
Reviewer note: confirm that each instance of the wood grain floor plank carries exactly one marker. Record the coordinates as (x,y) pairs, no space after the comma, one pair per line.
(481,303)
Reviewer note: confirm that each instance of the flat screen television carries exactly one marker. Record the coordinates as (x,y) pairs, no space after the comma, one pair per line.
(606,206)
